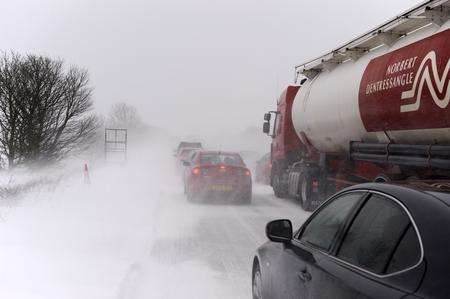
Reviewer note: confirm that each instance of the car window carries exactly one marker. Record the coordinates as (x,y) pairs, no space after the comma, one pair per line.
(185,153)
(374,234)
(407,253)
(192,157)
(222,158)
(324,227)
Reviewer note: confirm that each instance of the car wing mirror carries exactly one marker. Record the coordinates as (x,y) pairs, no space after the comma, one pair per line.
(186,163)
(279,231)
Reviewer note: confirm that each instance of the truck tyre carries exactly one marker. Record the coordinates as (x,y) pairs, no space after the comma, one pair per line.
(277,186)
(306,194)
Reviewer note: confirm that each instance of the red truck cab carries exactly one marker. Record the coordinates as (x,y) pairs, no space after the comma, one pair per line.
(285,140)
(286,146)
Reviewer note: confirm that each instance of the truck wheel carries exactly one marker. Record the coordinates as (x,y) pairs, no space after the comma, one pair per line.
(278,187)
(306,196)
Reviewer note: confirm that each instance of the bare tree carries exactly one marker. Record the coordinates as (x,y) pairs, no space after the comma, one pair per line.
(124,116)
(43,109)
(10,77)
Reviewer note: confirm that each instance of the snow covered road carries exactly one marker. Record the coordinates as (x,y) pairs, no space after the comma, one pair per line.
(207,254)
(132,234)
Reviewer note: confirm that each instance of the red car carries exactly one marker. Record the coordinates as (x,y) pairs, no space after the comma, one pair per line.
(215,175)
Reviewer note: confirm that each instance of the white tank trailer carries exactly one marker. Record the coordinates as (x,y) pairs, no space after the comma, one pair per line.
(374,109)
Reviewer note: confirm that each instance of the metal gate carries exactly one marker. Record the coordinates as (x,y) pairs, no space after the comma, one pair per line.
(116,145)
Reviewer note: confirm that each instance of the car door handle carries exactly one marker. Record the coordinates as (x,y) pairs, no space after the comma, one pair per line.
(304,276)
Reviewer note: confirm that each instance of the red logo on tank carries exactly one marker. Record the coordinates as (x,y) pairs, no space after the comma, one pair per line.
(408,88)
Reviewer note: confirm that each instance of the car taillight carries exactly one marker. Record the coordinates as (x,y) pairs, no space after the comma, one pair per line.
(196,171)
(222,168)
(247,172)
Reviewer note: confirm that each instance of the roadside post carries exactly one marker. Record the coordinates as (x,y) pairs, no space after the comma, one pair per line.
(87,179)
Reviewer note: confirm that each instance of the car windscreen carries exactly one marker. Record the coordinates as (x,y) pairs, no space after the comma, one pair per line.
(221,158)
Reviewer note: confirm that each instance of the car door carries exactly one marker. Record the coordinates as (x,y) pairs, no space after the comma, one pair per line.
(378,254)
(296,276)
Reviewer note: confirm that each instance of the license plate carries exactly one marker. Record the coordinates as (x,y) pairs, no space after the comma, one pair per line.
(221,188)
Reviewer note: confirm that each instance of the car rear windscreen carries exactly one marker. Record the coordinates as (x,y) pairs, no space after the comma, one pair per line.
(190,144)
(222,158)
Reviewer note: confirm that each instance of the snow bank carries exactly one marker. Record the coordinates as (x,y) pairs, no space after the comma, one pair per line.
(78,240)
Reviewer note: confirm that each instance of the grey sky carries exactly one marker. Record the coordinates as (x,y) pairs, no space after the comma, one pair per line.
(189,65)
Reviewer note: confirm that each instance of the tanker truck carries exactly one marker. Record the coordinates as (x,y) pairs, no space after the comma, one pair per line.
(374,109)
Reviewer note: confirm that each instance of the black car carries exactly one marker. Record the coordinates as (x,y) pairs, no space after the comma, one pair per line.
(367,241)
(187,145)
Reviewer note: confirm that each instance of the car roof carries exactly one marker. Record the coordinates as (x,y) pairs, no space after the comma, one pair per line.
(433,191)
(443,196)
(438,189)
